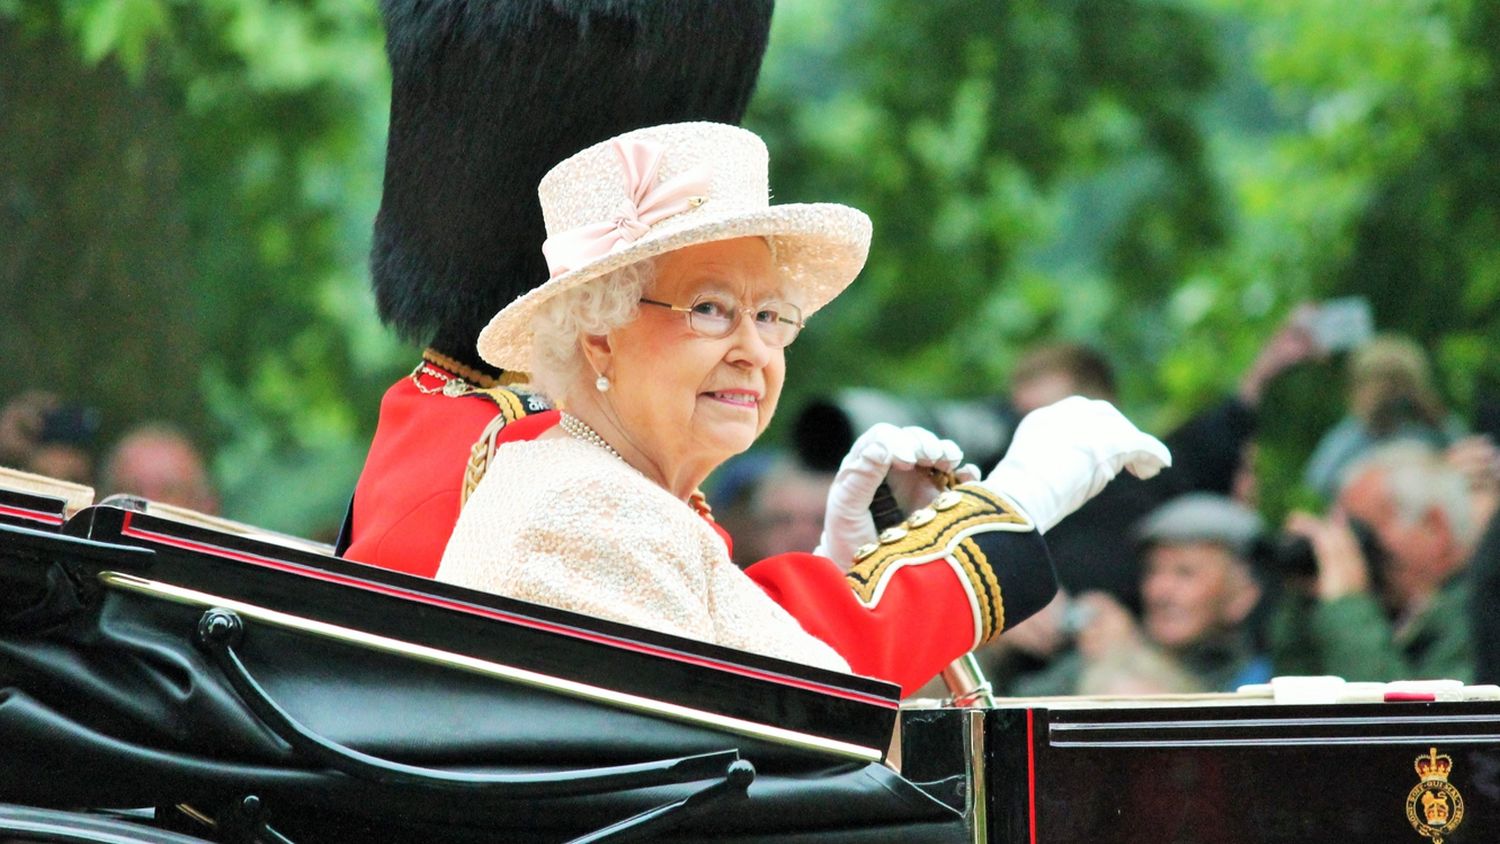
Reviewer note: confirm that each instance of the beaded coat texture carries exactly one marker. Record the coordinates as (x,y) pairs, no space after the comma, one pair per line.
(590,534)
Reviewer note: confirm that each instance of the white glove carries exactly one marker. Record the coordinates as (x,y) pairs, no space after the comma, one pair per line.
(901,456)
(1063,454)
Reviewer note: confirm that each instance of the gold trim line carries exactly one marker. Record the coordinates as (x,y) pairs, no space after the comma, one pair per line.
(473,665)
(979,798)
(978,777)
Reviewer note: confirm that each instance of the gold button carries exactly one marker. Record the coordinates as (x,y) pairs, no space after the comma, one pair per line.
(947,500)
(864,551)
(892,534)
(921,517)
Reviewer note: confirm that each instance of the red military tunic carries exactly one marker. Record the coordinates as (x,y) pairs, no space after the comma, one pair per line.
(948,581)
(910,607)
(411,488)
(922,624)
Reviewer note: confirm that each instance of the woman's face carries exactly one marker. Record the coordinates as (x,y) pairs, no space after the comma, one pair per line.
(686,399)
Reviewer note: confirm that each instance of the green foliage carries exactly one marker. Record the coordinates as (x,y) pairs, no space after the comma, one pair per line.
(1163,178)
(274,128)
(1032,169)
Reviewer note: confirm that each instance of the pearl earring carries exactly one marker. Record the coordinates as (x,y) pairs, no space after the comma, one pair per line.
(601,384)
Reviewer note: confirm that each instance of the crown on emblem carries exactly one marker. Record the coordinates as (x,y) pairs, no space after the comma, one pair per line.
(1434,766)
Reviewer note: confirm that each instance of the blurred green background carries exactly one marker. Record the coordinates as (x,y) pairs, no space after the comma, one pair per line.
(187,189)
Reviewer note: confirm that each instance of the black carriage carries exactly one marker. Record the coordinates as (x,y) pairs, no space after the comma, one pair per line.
(165,681)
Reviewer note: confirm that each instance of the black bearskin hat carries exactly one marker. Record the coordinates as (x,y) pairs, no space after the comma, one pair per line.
(487,95)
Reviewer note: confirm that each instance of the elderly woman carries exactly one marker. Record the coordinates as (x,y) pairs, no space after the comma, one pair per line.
(675,288)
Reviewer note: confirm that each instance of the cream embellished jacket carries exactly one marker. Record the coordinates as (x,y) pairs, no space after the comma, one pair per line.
(586,532)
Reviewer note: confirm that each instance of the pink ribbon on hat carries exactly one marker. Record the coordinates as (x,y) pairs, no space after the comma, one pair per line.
(649,204)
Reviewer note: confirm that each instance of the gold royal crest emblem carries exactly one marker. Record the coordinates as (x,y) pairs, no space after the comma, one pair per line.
(1434,807)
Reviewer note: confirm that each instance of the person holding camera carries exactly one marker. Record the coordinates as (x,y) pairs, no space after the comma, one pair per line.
(1391,398)
(1403,614)
(41,434)
(1198,589)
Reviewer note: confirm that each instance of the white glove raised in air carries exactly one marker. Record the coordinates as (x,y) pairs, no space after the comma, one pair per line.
(1063,454)
(904,457)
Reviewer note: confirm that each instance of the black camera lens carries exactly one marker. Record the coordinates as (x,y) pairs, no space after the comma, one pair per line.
(1288,556)
(822,434)
(71,424)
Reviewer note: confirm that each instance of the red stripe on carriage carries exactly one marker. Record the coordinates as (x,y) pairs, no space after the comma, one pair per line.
(34,515)
(1031,774)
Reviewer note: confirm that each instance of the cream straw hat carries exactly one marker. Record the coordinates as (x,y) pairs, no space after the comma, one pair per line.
(654,190)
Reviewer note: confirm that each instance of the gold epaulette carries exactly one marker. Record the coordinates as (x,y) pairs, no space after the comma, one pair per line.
(479,458)
(512,405)
(944,532)
(512,402)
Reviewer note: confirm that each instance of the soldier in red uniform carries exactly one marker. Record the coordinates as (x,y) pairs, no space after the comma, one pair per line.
(485,98)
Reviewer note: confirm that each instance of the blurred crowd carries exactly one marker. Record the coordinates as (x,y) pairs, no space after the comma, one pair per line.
(43,434)
(1172,585)
(1179,584)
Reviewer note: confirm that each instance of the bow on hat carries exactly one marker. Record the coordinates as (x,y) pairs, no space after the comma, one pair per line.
(649,203)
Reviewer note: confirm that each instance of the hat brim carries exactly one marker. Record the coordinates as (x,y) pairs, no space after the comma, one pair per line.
(820,248)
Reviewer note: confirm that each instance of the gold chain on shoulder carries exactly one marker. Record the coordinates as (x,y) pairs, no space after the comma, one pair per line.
(459,379)
(453,386)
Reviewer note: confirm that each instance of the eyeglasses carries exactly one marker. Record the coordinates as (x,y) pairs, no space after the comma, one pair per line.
(717,316)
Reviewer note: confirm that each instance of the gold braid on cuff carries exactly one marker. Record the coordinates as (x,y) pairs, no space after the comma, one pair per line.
(944,532)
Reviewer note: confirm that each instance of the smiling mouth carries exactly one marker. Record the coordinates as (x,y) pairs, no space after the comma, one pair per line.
(738,398)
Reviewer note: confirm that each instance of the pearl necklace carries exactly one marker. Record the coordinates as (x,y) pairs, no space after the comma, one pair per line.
(581,430)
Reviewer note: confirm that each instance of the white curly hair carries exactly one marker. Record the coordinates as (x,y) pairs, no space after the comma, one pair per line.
(596,307)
